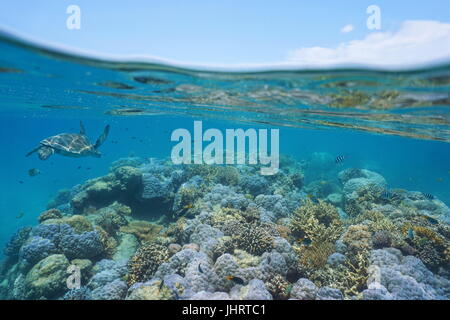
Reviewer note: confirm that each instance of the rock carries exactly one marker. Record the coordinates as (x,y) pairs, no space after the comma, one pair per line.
(204,295)
(115,290)
(335,199)
(304,289)
(327,293)
(126,248)
(192,246)
(255,290)
(174,248)
(336,259)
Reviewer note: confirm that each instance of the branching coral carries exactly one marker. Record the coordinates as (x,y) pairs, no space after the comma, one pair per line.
(349,277)
(375,221)
(431,246)
(314,256)
(319,222)
(144,263)
(278,287)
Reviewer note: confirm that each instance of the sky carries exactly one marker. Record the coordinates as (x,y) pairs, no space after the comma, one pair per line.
(250,32)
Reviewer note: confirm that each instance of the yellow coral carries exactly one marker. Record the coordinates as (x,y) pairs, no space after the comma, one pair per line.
(319,222)
(315,256)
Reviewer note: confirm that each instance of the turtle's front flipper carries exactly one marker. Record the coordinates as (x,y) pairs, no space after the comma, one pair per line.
(45,152)
(32,151)
(102,138)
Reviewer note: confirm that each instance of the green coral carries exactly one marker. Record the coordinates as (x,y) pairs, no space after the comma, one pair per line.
(47,279)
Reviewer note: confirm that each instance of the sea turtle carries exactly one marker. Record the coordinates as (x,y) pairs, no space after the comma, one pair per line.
(70,144)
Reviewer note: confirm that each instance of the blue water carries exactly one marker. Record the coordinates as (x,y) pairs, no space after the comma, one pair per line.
(44,93)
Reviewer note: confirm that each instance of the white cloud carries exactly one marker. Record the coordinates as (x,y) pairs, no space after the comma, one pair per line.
(415,43)
(348,28)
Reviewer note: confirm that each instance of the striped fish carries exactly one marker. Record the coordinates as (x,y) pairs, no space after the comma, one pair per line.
(429,196)
(386,195)
(339,159)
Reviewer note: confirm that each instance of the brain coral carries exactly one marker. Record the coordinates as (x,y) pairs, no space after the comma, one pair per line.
(47,279)
(36,249)
(86,245)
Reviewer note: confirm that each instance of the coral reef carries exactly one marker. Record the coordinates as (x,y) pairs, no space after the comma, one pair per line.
(151,230)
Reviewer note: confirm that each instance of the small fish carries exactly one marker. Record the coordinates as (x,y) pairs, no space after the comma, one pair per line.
(440,179)
(88,168)
(429,196)
(339,159)
(448,172)
(313,198)
(79,167)
(161,284)
(20,181)
(386,195)
(289,289)
(188,206)
(430,219)
(411,234)
(305,241)
(200,268)
(235,279)
(20,215)
(33,172)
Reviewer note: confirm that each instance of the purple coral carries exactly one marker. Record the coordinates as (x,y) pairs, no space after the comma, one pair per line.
(36,249)
(86,245)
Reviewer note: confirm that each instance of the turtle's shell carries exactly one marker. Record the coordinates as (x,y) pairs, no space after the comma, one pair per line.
(69,143)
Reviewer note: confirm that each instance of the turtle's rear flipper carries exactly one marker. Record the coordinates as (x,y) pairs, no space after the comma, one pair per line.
(32,151)
(82,130)
(102,138)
